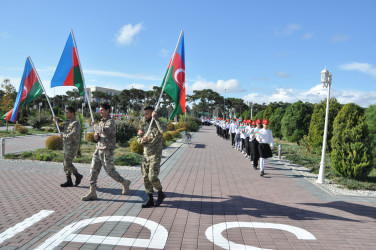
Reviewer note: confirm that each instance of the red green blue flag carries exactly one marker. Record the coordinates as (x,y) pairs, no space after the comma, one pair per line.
(68,71)
(175,85)
(30,88)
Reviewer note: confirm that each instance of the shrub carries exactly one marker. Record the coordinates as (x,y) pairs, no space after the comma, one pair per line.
(170,126)
(48,129)
(182,125)
(45,157)
(136,147)
(23,130)
(175,133)
(124,131)
(16,126)
(167,136)
(45,119)
(189,123)
(131,159)
(351,153)
(26,154)
(90,137)
(180,130)
(54,142)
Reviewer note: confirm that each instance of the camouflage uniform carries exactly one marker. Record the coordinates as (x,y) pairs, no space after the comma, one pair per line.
(71,140)
(104,154)
(152,153)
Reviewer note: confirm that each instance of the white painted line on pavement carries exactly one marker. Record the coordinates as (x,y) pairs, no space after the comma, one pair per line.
(10,232)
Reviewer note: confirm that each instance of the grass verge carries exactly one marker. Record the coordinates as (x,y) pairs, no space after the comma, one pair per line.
(311,160)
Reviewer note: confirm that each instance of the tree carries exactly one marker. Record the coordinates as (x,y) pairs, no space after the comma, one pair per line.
(9,96)
(351,153)
(259,115)
(371,124)
(295,122)
(275,122)
(208,101)
(317,124)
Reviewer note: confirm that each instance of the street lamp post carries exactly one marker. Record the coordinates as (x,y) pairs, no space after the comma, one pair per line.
(251,103)
(326,79)
(83,106)
(40,105)
(224,105)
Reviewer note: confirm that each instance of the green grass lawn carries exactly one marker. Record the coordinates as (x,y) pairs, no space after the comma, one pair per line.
(311,160)
(123,155)
(32,131)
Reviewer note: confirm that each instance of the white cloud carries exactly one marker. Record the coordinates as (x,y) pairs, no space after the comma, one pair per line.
(163,53)
(288,30)
(314,95)
(122,75)
(282,74)
(231,86)
(309,36)
(126,34)
(340,38)
(362,67)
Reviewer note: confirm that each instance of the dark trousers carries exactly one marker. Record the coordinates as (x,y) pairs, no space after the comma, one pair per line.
(247,146)
(233,139)
(255,152)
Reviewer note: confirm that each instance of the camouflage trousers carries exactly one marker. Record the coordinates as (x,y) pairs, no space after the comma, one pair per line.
(103,158)
(150,168)
(69,168)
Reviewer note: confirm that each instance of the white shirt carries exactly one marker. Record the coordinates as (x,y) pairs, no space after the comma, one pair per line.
(233,128)
(265,136)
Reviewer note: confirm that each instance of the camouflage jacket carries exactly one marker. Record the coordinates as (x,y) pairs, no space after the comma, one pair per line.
(107,134)
(154,144)
(72,134)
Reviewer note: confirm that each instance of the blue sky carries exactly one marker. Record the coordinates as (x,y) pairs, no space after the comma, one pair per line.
(261,51)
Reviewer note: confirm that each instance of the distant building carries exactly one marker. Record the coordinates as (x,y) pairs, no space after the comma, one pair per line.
(108,91)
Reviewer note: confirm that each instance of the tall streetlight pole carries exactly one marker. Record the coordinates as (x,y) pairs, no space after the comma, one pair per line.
(251,109)
(326,79)
(224,105)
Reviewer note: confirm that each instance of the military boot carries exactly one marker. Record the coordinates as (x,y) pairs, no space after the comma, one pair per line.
(161,197)
(78,179)
(68,183)
(126,184)
(149,202)
(92,195)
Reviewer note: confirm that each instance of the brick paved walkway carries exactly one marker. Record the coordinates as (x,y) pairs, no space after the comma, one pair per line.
(215,200)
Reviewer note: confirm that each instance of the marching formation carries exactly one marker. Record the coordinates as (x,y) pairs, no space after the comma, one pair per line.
(253,138)
(105,134)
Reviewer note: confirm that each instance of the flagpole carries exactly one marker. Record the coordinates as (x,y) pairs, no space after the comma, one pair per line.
(83,78)
(45,93)
(166,79)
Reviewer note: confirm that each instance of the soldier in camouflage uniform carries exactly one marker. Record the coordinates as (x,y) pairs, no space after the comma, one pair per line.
(153,146)
(71,141)
(105,133)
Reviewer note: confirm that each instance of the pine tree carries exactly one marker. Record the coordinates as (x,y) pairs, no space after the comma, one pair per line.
(351,153)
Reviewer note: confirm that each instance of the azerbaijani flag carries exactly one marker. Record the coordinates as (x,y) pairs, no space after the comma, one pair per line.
(175,85)
(30,88)
(68,71)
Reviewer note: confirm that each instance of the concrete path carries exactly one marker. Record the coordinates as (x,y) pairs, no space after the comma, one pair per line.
(20,144)
(215,200)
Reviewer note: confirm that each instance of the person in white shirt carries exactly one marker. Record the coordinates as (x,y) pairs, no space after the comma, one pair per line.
(246,138)
(232,131)
(265,139)
(254,144)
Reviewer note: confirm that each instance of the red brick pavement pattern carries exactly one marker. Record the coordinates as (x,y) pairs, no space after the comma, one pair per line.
(211,183)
